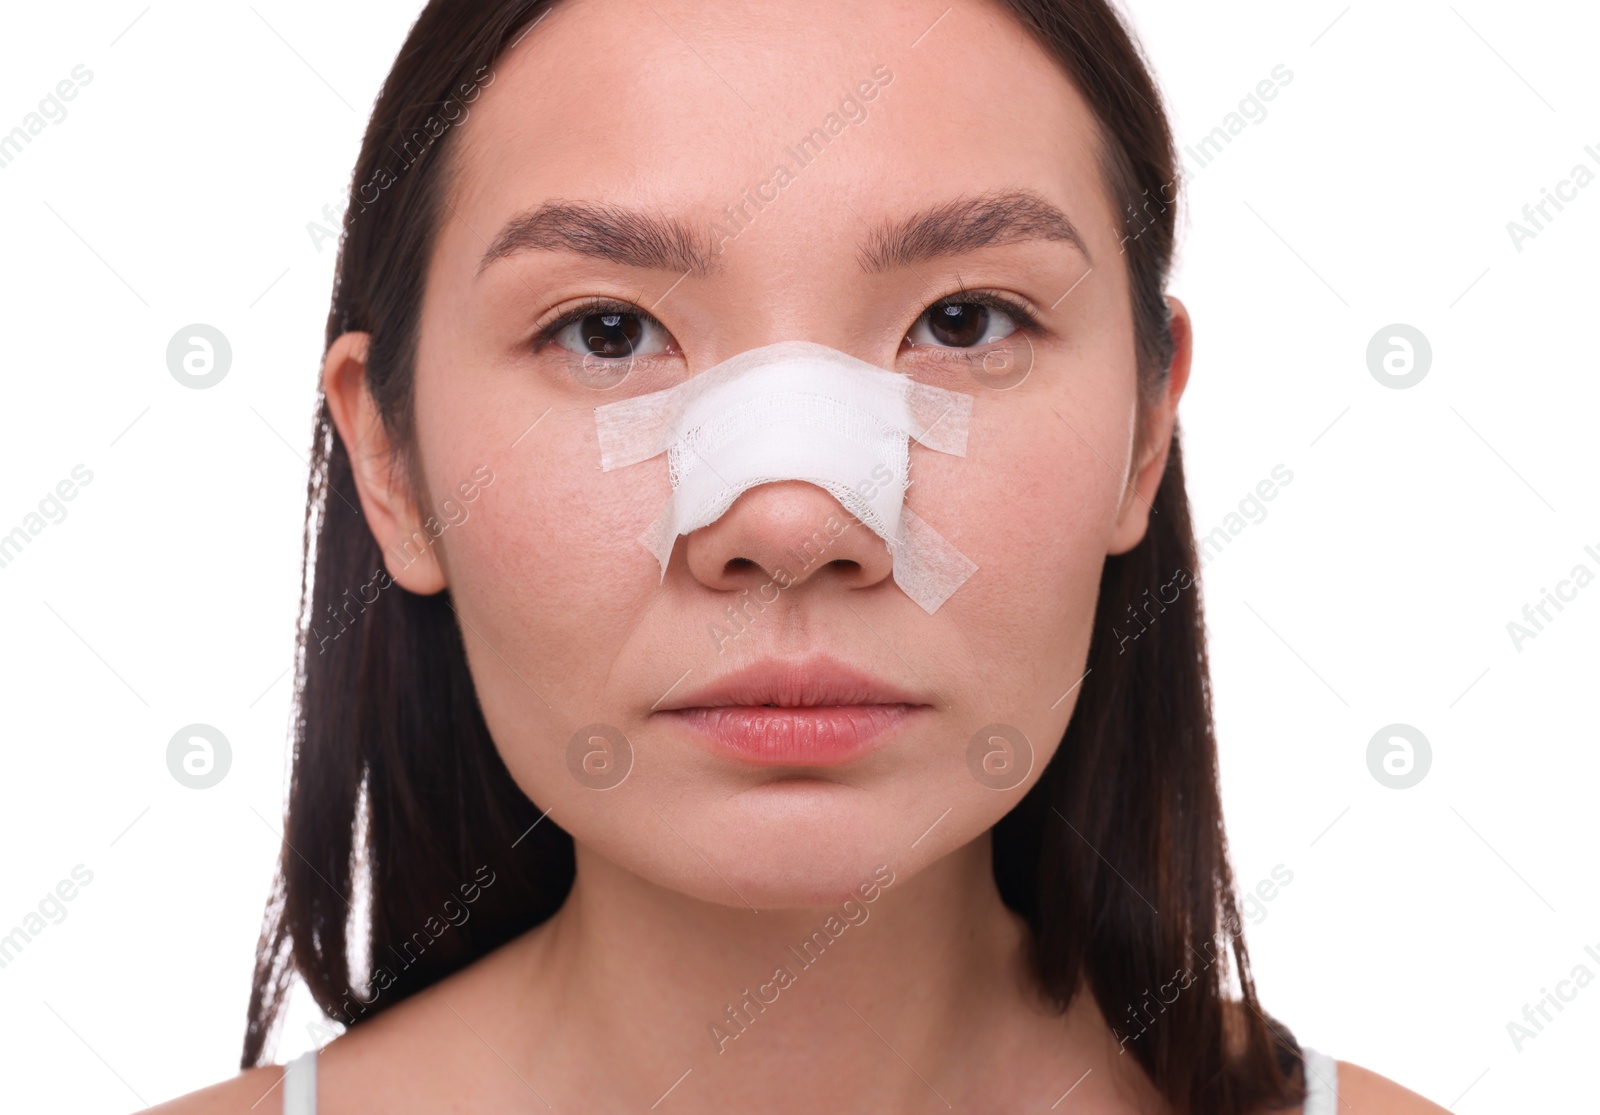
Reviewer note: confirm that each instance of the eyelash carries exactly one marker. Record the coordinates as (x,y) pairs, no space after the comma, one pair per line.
(547,334)
(1024,314)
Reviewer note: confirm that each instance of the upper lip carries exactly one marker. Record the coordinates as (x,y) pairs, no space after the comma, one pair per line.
(813,682)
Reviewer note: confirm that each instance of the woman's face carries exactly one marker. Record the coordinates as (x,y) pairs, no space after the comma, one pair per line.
(638,148)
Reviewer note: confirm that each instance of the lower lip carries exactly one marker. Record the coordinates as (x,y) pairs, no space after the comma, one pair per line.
(823,736)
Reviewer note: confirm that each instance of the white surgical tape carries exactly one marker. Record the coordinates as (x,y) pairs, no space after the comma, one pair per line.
(797,411)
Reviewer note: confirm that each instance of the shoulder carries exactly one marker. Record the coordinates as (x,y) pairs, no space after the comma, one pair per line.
(249,1093)
(1361,1091)
(1364,1092)
(389,1055)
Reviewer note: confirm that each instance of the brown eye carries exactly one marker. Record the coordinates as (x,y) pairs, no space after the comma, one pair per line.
(961,325)
(612,334)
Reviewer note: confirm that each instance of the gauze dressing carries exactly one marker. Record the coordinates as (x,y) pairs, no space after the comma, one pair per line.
(797,411)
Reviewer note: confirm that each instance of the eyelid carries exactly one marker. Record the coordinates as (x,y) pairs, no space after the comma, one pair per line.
(1026,315)
(1021,309)
(544,334)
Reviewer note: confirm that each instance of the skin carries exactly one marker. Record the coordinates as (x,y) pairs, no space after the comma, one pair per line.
(697,873)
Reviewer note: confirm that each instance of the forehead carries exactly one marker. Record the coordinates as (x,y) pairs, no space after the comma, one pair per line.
(689,107)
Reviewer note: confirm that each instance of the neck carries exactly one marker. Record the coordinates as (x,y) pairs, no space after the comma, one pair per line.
(882,1004)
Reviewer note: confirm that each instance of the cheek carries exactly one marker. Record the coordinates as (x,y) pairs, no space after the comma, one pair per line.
(549,568)
(1034,503)
(551,585)
(546,575)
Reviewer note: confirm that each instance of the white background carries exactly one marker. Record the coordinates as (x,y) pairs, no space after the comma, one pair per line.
(1378,588)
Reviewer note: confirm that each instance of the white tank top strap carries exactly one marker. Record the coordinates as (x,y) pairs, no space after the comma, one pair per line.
(300,1085)
(1322,1083)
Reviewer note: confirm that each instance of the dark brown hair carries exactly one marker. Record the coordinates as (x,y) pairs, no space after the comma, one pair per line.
(1116,857)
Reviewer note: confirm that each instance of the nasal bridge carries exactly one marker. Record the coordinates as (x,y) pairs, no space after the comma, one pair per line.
(797,410)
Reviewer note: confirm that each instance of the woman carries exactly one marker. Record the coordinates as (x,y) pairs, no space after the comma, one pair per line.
(758,828)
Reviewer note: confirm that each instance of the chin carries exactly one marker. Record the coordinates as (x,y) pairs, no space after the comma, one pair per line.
(794,843)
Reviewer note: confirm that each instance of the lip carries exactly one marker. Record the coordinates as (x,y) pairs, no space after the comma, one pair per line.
(813,711)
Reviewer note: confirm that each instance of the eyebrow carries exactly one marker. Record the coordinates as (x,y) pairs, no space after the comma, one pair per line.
(635,238)
(630,237)
(966,224)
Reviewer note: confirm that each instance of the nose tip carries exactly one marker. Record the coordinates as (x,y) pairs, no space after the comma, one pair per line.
(787,532)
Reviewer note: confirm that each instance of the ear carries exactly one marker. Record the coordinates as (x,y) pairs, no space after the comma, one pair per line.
(1133,518)
(386,499)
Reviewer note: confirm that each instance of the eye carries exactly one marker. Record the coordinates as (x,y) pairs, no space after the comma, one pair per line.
(967,321)
(608,331)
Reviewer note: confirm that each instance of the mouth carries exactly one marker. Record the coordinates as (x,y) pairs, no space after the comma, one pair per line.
(811,712)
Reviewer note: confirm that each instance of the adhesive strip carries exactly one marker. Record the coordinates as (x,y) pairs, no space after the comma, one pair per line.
(797,411)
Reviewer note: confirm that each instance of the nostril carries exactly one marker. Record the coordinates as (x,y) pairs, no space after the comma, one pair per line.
(738,565)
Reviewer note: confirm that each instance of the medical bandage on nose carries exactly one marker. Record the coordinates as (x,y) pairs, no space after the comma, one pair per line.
(797,411)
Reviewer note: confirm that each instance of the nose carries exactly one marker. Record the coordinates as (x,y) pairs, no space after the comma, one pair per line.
(789,532)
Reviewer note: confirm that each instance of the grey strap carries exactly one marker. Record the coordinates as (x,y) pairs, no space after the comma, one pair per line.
(300,1085)
(1322,1083)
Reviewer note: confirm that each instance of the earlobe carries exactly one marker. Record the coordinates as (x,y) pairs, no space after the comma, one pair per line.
(386,500)
(1133,518)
